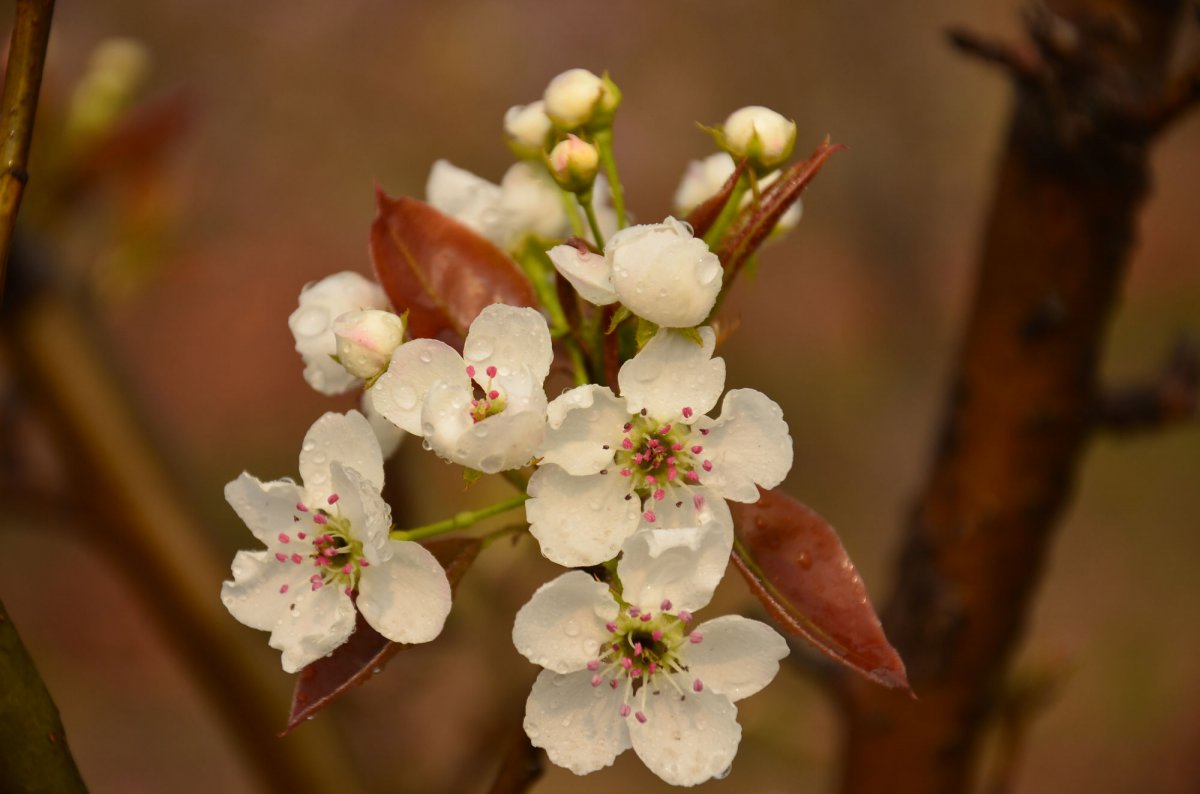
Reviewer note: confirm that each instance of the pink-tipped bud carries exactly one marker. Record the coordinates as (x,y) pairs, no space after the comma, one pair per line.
(366,339)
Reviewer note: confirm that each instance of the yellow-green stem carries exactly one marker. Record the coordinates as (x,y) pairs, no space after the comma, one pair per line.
(604,143)
(460,521)
(721,225)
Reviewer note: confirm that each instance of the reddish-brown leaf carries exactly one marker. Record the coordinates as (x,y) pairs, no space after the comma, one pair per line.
(745,238)
(797,567)
(366,652)
(439,271)
(702,217)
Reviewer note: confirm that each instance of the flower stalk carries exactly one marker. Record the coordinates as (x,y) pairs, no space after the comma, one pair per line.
(458,521)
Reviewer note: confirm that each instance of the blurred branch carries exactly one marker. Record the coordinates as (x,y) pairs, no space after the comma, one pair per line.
(1020,64)
(1023,700)
(138,513)
(1019,414)
(520,768)
(22,80)
(1173,397)
(34,757)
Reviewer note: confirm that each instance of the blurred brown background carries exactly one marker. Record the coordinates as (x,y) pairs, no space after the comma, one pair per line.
(300,107)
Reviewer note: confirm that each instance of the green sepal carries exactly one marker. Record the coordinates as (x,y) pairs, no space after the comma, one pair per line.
(645,332)
(619,316)
(470,477)
(690,334)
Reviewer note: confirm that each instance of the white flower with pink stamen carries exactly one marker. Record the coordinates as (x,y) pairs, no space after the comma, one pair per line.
(328,550)
(485,409)
(609,463)
(625,667)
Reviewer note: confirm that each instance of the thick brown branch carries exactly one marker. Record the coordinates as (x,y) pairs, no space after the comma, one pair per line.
(22,81)
(1058,241)
(1173,397)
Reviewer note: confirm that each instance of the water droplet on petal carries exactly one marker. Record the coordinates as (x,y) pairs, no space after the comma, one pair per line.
(406,397)
(426,357)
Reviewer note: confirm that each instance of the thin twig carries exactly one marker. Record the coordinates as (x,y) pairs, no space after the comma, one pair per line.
(1172,397)
(22,81)
(1021,65)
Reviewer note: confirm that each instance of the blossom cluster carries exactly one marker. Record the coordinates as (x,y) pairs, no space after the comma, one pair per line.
(626,476)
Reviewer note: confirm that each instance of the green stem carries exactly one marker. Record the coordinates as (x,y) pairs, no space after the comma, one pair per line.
(568,202)
(604,143)
(721,225)
(585,201)
(459,521)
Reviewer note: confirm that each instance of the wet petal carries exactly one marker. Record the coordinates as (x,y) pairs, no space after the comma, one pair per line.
(681,557)
(506,440)
(578,725)
(749,446)
(266,508)
(562,626)
(362,505)
(590,274)
(737,656)
(416,367)
(346,438)
(321,302)
(469,199)
(514,339)
(253,597)
(580,520)
(687,738)
(584,428)
(316,622)
(406,598)
(387,434)
(672,372)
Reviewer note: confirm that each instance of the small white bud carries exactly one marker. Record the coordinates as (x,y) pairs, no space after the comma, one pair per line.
(577,98)
(366,340)
(573,163)
(527,127)
(760,134)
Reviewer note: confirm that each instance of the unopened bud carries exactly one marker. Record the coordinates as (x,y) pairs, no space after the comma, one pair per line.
(573,163)
(759,134)
(366,340)
(527,127)
(579,99)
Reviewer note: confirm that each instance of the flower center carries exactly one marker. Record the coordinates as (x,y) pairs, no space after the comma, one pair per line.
(330,547)
(658,456)
(488,399)
(642,649)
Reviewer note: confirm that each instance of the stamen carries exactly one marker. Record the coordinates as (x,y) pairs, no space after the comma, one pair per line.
(684,616)
(627,444)
(279,555)
(698,501)
(333,498)
(656,635)
(470,371)
(662,431)
(707,465)
(317,585)
(598,679)
(649,516)
(348,568)
(640,717)
(650,480)
(697,685)
(493,394)
(695,638)
(697,449)
(687,412)
(665,606)
(645,618)
(593,665)
(283,588)
(491,372)
(693,476)
(625,710)
(659,494)
(611,626)
(301,535)
(634,612)
(320,518)
(626,473)
(296,558)
(303,508)
(283,538)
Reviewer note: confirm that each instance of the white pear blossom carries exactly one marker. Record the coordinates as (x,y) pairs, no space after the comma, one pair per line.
(528,127)
(624,667)
(703,179)
(485,409)
(526,202)
(322,302)
(609,463)
(659,271)
(326,541)
(387,434)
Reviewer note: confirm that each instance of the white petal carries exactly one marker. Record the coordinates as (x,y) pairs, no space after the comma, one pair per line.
(664,274)
(322,302)
(360,502)
(580,520)
(562,625)
(749,445)
(512,339)
(672,372)
(406,598)
(675,560)
(387,434)
(702,180)
(316,623)
(585,425)
(462,195)
(346,438)
(737,656)
(506,440)
(578,725)
(529,203)
(416,366)
(590,274)
(266,508)
(686,739)
(253,596)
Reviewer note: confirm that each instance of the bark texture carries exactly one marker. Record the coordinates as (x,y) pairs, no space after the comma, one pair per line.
(1091,94)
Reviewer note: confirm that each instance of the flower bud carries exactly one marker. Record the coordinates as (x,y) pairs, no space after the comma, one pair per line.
(760,134)
(312,326)
(366,340)
(527,127)
(573,163)
(577,98)
(664,274)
